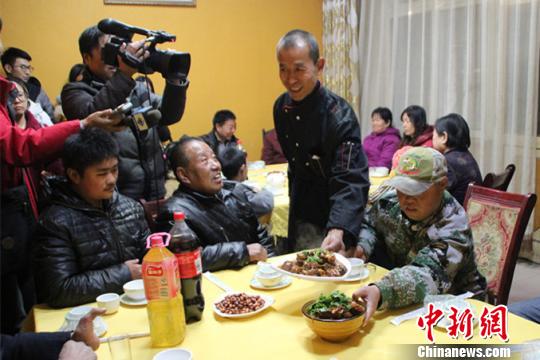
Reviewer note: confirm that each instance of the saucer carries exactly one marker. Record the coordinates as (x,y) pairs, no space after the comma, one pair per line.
(361,276)
(285,281)
(126,300)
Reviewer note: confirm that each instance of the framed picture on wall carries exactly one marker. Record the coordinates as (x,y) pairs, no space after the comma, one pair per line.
(153,2)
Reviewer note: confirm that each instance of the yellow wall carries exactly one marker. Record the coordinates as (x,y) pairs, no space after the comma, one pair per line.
(232,44)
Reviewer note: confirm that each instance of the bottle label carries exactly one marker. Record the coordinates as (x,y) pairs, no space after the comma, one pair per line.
(190,263)
(161,279)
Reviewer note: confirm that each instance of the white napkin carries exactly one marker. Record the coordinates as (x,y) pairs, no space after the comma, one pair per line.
(418,312)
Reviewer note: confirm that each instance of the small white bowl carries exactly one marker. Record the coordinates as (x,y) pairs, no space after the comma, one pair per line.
(110,302)
(357,266)
(75,314)
(269,280)
(135,289)
(276,179)
(173,354)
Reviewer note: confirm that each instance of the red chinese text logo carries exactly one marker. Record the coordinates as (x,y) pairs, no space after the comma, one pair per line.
(460,323)
(429,320)
(494,322)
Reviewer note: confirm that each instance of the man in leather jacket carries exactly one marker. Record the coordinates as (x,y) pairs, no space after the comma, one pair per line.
(90,240)
(142,168)
(219,214)
(222,135)
(320,137)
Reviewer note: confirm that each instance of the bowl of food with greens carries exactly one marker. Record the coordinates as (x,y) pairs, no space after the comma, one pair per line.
(335,316)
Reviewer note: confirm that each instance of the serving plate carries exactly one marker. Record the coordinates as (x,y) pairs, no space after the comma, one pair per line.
(268,301)
(292,257)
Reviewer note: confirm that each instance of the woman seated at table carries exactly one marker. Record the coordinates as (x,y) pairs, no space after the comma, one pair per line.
(451,138)
(416,131)
(383,141)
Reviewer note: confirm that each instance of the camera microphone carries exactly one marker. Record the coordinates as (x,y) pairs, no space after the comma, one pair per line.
(111,26)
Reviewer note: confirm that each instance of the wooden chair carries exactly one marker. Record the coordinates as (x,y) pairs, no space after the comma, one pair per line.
(152,209)
(499,181)
(498,220)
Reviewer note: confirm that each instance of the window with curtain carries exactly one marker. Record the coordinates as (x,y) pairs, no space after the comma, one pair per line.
(478,58)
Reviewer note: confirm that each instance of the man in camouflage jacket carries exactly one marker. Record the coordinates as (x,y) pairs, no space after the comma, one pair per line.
(423,232)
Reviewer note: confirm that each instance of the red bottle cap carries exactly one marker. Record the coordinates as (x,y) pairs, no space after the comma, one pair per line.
(156,241)
(179,215)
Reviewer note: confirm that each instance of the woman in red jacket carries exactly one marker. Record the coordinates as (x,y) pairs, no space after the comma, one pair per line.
(416,131)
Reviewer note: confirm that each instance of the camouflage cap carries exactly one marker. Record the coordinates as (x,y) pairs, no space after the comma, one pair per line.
(418,169)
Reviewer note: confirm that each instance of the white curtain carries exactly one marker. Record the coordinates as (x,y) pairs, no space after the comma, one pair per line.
(479,58)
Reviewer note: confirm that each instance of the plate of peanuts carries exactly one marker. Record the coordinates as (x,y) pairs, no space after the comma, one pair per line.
(240,304)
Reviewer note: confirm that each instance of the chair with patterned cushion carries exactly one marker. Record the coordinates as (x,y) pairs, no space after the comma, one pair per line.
(499,181)
(498,221)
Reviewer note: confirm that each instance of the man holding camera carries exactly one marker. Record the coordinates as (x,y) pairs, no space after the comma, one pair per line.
(142,167)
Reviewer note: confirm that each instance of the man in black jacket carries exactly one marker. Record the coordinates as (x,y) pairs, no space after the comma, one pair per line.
(142,168)
(222,134)
(90,239)
(320,137)
(221,217)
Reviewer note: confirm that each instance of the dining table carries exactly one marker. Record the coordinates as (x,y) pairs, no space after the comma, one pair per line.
(279,218)
(280,331)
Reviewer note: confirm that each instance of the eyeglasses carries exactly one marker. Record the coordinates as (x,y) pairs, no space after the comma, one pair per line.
(25,67)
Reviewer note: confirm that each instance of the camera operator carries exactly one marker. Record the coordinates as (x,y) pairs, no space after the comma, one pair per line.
(142,168)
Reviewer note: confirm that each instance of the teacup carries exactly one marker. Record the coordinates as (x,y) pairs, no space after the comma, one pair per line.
(276,179)
(358,266)
(135,289)
(267,275)
(110,302)
(75,314)
(174,354)
(269,280)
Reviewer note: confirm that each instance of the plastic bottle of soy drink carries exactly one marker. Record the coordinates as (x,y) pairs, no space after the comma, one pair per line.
(162,288)
(185,246)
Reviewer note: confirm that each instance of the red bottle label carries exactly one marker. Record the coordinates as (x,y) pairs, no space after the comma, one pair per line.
(161,280)
(190,263)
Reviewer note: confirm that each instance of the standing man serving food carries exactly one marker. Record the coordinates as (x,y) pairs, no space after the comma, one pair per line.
(320,137)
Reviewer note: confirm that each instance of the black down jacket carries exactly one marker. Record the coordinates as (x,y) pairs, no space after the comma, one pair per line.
(142,168)
(224,224)
(328,170)
(80,250)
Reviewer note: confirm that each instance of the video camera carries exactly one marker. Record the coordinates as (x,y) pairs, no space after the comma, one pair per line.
(171,64)
(142,117)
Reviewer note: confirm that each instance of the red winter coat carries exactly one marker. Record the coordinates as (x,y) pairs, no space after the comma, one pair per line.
(20,148)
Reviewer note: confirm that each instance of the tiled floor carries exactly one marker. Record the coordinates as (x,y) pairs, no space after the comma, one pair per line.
(526,283)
